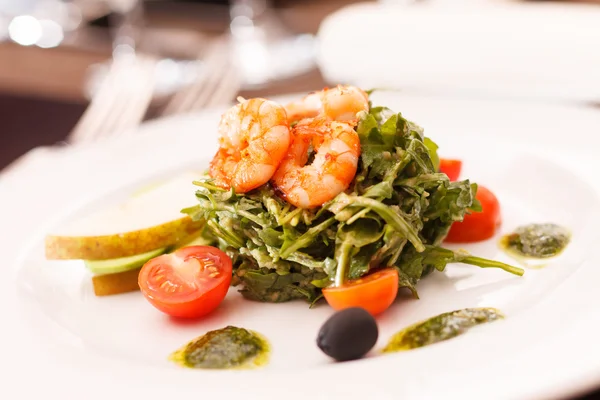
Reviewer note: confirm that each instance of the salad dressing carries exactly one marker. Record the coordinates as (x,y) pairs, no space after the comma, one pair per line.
(441,327)
(535,242)
(227,348)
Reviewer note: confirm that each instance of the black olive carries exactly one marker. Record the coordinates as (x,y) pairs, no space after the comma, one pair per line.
(348,334)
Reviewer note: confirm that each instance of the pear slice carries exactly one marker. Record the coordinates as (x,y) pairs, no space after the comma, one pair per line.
(121,282)
(121,275)
(147,221)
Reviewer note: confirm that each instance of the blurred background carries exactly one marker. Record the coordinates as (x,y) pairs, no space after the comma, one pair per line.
(58,55)
(78,70)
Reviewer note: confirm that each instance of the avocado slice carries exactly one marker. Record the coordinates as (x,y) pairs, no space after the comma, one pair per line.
(103,267)
(194,240)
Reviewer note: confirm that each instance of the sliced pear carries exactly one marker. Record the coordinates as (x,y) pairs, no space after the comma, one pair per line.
(126,280)
(122,282)
(148,221)
(116,265)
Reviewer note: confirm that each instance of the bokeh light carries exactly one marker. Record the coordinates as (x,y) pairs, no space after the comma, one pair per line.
(25,30)
(52,34)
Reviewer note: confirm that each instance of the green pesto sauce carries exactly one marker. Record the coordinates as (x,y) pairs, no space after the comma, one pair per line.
(227,348)
(439,328)
(536,241)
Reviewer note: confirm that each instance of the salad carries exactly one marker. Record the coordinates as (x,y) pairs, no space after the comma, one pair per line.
(331,196)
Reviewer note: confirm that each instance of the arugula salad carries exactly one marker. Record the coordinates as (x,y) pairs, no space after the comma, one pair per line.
(330,196)
(394,215)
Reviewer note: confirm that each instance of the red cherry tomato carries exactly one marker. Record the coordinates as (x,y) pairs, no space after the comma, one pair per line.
(478,226)
(374,292)
(189,283)
(451,168)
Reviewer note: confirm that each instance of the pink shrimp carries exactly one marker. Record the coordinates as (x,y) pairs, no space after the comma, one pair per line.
(336,147)
(254,138)
(341,103)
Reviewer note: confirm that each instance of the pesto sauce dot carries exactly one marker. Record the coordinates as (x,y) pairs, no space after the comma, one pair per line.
(230,347)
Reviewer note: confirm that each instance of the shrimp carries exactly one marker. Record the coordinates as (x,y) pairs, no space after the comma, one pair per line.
(254,138)
(341,103)
(336,147)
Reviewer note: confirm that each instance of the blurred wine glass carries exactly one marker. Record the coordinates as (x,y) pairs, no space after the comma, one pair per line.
(127,26)
(126,21)
(264,48)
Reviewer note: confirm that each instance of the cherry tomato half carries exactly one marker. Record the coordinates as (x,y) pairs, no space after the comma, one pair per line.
(478,226)
(189,283)
(451,168)
(374,292)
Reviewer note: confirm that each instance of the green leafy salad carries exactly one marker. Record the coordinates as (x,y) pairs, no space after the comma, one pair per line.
(395,213)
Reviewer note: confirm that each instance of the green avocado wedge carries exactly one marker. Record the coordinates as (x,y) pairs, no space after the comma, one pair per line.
(194,240)
(116,265)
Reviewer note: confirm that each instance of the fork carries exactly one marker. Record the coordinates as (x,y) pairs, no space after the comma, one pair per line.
(120,103)
(217,85)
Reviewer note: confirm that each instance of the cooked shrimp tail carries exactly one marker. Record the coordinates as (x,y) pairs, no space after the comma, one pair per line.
(341,103)
(336,149)
(254,138)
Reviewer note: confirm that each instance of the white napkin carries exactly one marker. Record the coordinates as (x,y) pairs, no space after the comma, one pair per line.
(499,47)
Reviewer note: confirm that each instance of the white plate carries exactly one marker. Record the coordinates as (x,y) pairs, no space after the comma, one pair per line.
(57,338)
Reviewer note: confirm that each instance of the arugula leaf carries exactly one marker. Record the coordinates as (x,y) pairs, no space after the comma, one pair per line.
(375,144)
(432,147)
(349,241)
(451,201)
(412,265)
(362,261)
(386,213)
(262,285)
